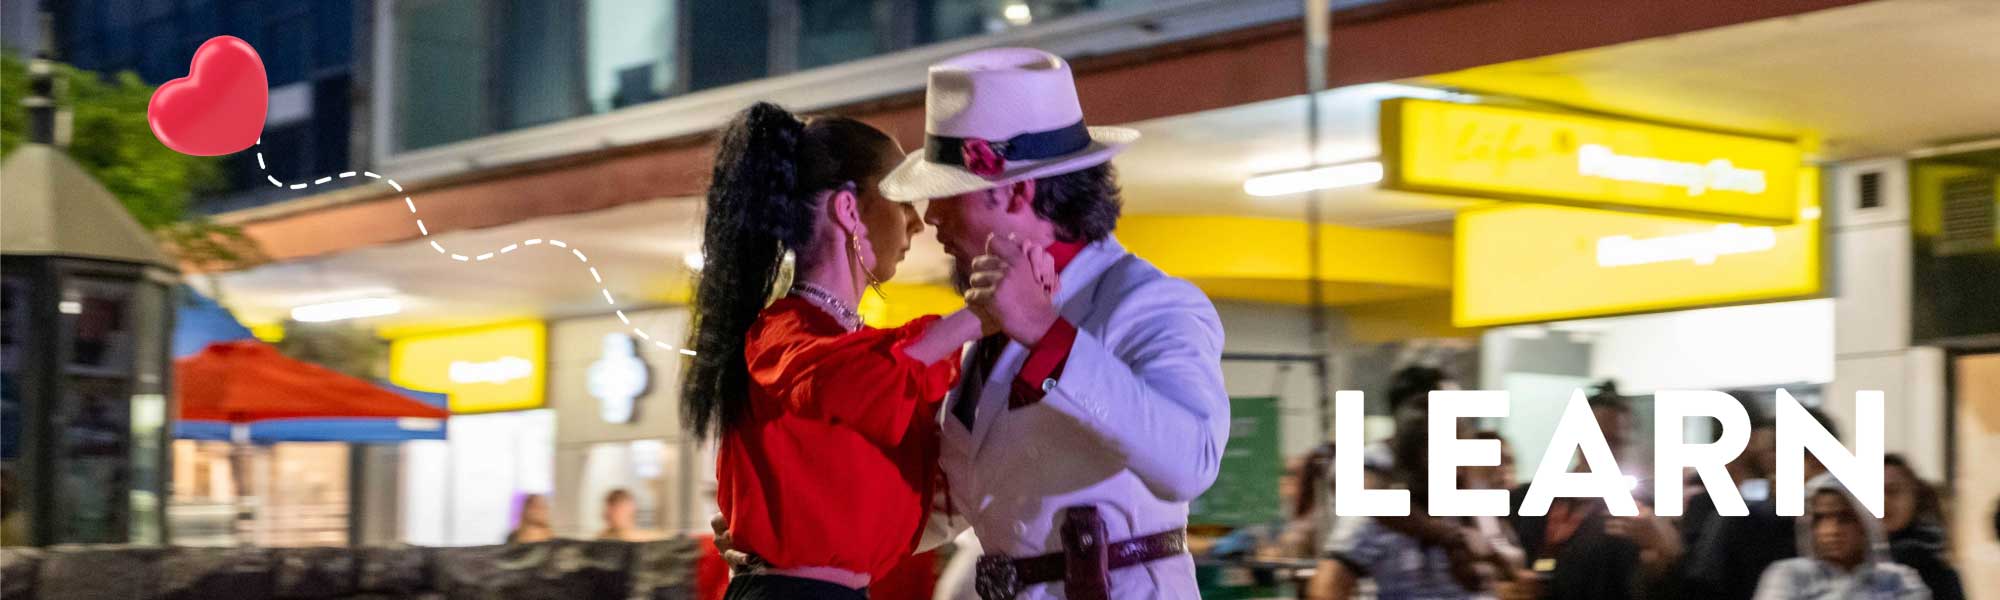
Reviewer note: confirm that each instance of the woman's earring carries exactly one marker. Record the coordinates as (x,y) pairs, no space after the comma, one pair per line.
(854,249)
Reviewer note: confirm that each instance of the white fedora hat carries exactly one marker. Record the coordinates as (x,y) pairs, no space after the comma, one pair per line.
(999,116)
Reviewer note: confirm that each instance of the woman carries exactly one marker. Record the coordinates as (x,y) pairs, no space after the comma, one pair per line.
(827,446)
(534,525)
(621,519)
(1913,517)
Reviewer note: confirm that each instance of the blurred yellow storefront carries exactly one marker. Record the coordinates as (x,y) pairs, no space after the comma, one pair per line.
(466,490)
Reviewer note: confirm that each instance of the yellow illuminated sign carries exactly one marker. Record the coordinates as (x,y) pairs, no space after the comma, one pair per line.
(1594,162)
(487,369)
(1521,264)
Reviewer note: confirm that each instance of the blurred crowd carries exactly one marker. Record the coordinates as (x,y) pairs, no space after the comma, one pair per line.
(1578,550)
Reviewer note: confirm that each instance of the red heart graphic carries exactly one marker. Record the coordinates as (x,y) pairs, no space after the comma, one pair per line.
(219,107)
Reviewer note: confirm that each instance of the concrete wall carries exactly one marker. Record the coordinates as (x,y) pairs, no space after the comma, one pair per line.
(1274,329)
(1869,272)
(1718,348)
(1365,343)
(649,456)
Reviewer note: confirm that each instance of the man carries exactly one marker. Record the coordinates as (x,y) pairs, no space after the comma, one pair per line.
(1843,555)
(1078,435)
(1397,554)
(1728,555)
(1409,407)
(1582,550)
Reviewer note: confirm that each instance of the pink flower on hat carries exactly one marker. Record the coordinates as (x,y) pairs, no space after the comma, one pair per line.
(981,159)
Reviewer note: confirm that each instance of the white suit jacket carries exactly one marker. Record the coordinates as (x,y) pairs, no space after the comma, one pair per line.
(1135,425)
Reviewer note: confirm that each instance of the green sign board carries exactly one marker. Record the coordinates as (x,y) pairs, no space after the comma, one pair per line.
(1246,491)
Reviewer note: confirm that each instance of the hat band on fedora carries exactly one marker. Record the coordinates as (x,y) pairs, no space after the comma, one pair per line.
(989,157)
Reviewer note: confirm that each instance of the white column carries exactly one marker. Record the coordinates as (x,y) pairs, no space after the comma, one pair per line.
(1868,271)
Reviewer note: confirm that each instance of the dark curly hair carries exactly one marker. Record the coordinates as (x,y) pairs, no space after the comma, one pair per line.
(1083,205)
(1414,383)
(763,200)
(1930,508)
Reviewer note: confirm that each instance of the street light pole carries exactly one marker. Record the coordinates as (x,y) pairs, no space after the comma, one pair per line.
(1319,25)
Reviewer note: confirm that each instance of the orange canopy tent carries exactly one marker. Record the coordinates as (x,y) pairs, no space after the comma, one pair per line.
(246,381)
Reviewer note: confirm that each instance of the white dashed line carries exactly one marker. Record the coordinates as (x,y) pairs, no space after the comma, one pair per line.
(426,232)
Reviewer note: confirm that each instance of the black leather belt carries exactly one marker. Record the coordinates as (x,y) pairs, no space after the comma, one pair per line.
(1001,578)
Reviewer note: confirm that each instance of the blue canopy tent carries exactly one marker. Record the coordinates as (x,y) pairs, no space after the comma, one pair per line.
(200,321)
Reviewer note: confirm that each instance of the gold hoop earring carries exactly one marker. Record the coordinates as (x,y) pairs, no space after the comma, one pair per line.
(854,250)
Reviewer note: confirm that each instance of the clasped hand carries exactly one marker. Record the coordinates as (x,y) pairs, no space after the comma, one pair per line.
(1013,288)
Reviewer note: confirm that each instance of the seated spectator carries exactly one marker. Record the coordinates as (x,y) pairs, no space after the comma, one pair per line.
(621,519)
(1840,555)
(534,525)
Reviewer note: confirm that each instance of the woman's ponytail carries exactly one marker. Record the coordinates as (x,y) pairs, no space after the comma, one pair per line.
(756,210)
(763,200)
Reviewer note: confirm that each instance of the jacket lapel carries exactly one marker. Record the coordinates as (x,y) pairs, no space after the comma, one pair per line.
(1076,298)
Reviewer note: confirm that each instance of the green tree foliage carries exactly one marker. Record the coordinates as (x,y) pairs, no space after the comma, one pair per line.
(344,348)
(111,139)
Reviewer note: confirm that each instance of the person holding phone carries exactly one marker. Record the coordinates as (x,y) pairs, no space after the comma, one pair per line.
(1579,550)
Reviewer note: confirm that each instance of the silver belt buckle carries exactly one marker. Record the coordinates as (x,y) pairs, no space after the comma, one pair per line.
(996,578)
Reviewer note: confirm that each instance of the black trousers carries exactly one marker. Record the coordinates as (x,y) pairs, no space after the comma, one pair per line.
(780,587)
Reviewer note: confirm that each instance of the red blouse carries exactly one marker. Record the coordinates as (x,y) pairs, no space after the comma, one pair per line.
(833,464)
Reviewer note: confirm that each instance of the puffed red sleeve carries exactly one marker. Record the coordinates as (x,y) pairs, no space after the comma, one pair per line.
(862,380)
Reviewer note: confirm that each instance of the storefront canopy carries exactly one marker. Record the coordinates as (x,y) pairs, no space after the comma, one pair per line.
(362,430)
(247,381)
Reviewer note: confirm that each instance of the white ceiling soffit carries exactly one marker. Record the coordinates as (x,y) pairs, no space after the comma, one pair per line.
(1871,79)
